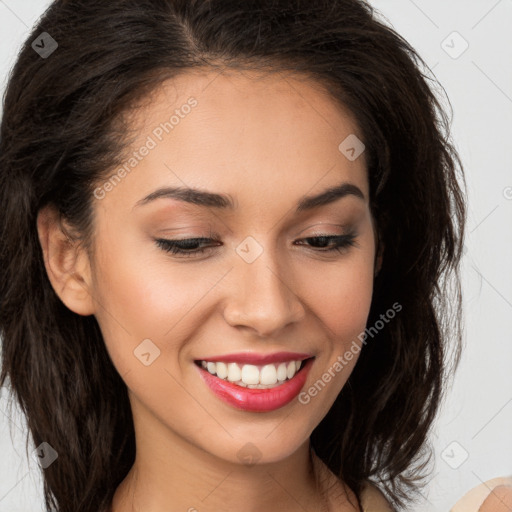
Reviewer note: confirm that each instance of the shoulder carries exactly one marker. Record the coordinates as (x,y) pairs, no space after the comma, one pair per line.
(499,500)
(373,499)
(491,496)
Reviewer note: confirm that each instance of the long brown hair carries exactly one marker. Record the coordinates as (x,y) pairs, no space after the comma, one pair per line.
(60,134)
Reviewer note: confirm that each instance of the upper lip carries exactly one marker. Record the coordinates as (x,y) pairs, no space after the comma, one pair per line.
(258,359)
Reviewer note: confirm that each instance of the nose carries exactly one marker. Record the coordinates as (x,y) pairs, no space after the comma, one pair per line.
(262,297)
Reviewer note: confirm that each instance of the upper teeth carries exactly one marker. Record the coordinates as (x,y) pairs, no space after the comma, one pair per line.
(249,375)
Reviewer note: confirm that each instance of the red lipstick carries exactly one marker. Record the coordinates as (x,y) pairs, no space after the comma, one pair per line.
(258,400)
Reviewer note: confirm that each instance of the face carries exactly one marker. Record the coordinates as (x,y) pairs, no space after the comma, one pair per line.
(275,276)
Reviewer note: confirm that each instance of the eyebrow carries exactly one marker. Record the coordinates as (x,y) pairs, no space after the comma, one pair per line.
(214,200)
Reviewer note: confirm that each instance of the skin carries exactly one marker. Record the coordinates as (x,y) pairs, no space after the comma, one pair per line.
(494,495)
(499,500)
(267,140)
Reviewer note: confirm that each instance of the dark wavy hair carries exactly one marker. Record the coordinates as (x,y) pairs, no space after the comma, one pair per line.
(63,130)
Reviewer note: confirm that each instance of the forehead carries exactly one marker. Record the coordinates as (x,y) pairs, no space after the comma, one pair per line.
(242,133)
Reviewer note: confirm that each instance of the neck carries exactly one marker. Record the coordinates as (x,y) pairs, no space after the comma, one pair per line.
(170,474)
(178,480)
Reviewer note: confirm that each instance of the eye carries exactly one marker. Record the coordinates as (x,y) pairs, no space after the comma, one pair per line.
(338,242)
(190,247)
(187,247)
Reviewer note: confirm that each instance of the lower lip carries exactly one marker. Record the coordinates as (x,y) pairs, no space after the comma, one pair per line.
(257,400)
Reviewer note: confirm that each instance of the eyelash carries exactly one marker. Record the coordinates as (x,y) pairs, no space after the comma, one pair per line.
(342,242)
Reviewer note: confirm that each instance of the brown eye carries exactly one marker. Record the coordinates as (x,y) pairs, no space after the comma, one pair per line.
(336,242)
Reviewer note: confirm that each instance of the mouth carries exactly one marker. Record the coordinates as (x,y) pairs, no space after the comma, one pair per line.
(256,387)
(253,376)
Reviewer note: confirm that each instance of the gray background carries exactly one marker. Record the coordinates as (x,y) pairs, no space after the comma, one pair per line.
(472,435)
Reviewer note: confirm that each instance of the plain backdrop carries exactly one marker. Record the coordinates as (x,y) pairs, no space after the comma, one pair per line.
(468,45)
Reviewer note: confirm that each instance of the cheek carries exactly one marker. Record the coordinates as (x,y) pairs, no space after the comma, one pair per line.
(144,295)
(343,298)
(341,294)
(138,302)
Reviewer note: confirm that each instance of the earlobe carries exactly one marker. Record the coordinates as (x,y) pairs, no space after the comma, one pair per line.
(66,262)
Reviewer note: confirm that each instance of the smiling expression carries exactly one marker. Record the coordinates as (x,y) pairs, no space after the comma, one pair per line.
(279,257)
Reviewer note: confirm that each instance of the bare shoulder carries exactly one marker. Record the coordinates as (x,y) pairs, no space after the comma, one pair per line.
(499,500)
(494,495)
(373,499)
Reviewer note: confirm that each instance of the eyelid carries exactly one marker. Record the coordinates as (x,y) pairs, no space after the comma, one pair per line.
(323,226)
(342,243)
(347,229)
(200,227)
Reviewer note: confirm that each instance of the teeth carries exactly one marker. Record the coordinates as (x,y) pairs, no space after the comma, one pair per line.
(234,372)
(252,376)
(281,372)
(268,374)
(222,370)
(290,371)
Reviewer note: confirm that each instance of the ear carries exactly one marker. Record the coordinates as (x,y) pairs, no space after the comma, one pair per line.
(66,261)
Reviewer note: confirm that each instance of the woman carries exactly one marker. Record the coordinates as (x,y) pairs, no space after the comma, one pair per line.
(228,230)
